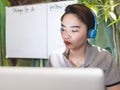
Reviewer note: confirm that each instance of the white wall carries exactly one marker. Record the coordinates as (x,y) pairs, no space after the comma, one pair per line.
(33,31)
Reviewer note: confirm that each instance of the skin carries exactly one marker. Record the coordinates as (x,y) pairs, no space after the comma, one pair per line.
(74,34)
(74,31)
(116,87)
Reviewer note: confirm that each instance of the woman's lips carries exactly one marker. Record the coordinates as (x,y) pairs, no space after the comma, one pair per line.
(67,42)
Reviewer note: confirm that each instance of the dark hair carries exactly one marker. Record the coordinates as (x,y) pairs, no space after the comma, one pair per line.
(83,13)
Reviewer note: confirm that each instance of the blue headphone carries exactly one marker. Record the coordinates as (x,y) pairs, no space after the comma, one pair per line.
(92,33)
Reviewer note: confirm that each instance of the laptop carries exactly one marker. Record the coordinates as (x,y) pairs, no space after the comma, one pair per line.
(36,78)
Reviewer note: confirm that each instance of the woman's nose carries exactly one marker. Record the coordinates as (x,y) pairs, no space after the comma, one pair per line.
(67,35)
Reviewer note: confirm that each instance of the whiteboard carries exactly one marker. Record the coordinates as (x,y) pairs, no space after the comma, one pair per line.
(33,31)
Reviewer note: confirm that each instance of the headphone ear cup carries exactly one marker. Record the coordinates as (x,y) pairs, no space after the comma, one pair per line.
(92,33)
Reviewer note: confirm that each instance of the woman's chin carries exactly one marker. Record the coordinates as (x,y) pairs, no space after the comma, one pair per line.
(68,47)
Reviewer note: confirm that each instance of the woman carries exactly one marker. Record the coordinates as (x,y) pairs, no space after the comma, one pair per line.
(76,24)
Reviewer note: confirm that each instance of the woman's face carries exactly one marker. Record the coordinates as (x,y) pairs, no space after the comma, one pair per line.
(74,32)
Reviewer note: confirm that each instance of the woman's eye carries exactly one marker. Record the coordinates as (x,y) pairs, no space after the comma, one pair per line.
(62,29)
(74,30)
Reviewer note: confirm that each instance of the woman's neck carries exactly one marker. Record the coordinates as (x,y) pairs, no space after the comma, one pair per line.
(78,52)
(77,56)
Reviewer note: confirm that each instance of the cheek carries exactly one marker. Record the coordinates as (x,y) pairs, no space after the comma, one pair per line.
(79,41)
(62,35)
(79,37)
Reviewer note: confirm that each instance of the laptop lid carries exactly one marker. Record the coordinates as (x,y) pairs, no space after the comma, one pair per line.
(33,78)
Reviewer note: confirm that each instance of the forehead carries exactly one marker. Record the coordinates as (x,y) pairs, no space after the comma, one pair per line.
(70,16)
(71,20)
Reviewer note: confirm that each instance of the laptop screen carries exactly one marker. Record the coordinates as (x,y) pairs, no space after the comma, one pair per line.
(36,78)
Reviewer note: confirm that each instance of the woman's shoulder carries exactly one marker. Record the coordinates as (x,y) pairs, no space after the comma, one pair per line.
(101,54)
(98,49)
(56,58)
(58,52)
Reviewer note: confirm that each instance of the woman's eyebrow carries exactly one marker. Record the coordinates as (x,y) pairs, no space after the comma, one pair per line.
(75,26)
(71,26)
